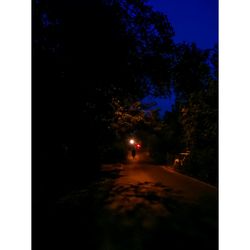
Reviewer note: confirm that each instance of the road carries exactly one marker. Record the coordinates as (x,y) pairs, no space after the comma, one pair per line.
(157,199)
(138,206)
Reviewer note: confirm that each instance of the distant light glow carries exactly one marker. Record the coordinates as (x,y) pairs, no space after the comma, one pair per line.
(131,141)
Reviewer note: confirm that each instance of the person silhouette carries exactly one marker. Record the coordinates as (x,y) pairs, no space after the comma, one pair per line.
(133,152)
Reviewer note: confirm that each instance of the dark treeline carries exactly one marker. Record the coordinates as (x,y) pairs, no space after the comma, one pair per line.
(92,62)
(193,123)
(86,55)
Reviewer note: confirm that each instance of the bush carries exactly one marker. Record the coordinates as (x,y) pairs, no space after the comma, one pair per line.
(114,153)
(203,164)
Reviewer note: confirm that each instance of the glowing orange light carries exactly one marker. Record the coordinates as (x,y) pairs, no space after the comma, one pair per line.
(132,141)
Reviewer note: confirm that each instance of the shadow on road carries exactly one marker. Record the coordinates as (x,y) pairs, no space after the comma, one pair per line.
(142,216)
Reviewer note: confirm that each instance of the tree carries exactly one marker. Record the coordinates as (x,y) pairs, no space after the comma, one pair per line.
(198,110)
(85,53)
(191,71)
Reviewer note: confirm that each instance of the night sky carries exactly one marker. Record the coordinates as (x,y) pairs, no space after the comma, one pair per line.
(193,21)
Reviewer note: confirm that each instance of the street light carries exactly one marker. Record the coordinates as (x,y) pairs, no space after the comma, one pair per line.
(131,141)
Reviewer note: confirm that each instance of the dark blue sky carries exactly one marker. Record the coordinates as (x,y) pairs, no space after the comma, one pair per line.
(193,21)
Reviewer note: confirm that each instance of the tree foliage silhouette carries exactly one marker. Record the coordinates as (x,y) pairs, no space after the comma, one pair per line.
(196,87)
(85,53)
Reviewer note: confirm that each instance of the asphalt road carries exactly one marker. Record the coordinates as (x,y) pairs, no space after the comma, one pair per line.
(191,188)
(150,205)
(136,206)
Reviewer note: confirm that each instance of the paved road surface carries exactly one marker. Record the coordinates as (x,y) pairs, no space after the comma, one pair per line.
(138,206)
(159,199)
